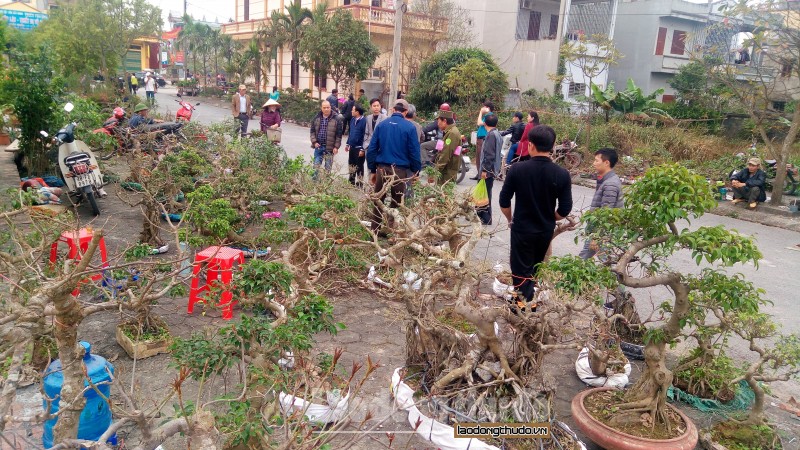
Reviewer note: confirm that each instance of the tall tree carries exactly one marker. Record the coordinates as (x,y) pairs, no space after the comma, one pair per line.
(93,35)
(338,44)
(290,26)
(769,75)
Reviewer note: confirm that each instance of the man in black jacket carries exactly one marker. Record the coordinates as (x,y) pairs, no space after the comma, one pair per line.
(515,130)
(538,184)
(748,184)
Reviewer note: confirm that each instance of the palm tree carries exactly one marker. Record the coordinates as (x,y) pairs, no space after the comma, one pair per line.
(289,27)
(257,61)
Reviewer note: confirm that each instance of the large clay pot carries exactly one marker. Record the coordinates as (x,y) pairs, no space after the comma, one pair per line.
(611,439)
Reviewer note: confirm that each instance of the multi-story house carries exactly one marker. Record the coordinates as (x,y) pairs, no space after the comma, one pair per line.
(523,36)
(420,33)
(657,37)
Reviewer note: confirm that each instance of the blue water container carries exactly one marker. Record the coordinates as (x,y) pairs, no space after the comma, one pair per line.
(96,416)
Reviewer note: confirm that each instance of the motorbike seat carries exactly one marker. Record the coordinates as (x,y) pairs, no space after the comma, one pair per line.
(770,162)
(67,134)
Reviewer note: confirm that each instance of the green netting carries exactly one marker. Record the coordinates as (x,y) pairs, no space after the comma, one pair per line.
(743,399)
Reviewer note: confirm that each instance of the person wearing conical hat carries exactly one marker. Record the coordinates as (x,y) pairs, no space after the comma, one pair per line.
(271,117)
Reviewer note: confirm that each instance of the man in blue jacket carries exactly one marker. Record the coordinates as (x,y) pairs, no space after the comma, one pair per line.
(355,144)
(393,157)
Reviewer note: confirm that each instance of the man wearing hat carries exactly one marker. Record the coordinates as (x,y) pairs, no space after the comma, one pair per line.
(393,157)
(448,163)
(271,117)
(240,107)
(139,116)
(748,184)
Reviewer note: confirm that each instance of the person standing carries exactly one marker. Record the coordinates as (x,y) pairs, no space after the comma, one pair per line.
(410,115)
(150,88)
(515,130)
(355,145)
(748,184)
(271,117)
(326,137)
(522,148)
(240,107)
(373,120)
(347,113)
(448,163)
(488,108)
(134,82)
(538,185)
(489,165)
(607,194)
(333,100)
(276,94)
(392,157)
(363,100)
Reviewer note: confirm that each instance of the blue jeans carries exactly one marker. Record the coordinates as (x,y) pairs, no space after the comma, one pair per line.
(151,96)
(321,155)
(511,152)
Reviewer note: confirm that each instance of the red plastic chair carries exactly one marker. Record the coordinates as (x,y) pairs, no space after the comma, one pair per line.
(78,243)
(219,262)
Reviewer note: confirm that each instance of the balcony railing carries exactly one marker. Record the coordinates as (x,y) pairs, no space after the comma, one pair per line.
(247,26)
(377,18)
(383,18)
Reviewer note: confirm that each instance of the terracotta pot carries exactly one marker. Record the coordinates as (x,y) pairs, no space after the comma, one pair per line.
(5,139)
(612,439)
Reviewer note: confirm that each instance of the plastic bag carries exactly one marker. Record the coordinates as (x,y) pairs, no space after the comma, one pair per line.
(480,196)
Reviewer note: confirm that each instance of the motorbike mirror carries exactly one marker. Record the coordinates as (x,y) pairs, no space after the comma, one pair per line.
(69,107)
(44,133)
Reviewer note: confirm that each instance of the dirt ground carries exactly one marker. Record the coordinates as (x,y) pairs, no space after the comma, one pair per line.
(375,328)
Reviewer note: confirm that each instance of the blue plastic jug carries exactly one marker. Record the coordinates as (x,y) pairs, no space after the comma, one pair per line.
(96,416)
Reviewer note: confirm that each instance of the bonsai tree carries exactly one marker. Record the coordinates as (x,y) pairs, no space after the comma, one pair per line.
(640,240)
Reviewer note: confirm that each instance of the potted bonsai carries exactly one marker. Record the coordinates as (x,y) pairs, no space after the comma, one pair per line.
(640,239)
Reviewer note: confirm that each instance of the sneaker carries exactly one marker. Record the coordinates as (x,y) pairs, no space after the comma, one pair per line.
(737,200)
(753,205)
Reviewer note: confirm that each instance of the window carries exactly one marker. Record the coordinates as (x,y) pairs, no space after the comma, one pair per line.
(246,9)
(779,106)
(553,26)
(668,98)
(295,73)
(678,42)
(320,77)
(534,22)
(376,3)
(662,37)
(529,23)
(576,89)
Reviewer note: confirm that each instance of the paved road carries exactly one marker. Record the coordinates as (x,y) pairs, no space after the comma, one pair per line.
(777,273)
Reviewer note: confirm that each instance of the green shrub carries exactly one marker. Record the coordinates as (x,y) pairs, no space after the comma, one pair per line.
(298,106)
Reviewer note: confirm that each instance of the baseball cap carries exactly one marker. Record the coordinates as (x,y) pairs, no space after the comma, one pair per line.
(401,105)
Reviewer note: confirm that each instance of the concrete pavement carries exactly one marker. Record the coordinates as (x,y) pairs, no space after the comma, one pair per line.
(777,273)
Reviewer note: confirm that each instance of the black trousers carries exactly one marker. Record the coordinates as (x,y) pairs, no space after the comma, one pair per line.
(356,164)
(750,194)
(244,121)
(527,251)
(485,213)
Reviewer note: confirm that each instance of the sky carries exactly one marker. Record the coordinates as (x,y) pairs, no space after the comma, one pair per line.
(220,10)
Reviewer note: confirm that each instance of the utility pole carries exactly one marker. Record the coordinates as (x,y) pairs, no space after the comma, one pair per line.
(184,7)
(399,10)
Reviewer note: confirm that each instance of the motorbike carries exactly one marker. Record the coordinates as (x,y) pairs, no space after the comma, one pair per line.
(567,155)
(78,165)
(185,112)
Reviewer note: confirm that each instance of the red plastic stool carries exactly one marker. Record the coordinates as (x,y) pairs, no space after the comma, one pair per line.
(78,242)
(220,266)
